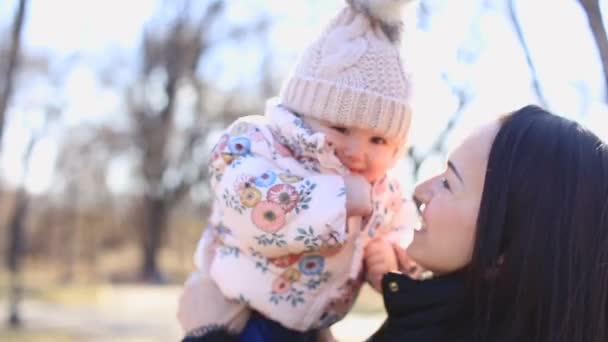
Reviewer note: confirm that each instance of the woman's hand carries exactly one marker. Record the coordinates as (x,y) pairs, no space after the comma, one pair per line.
(408,266)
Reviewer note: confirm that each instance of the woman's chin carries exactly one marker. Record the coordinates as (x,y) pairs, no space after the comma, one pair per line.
(414,251)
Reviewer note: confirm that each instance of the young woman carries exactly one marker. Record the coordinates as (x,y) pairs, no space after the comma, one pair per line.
(515,231)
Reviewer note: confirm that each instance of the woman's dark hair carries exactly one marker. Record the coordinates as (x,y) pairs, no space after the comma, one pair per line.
(539,270)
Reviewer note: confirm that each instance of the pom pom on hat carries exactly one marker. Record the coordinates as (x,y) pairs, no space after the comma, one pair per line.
(387,13)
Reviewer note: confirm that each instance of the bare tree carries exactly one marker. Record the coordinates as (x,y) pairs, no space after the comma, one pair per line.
(81,168)
(15,231)
(170,163)
(12,60)
(594,18)
(16,234)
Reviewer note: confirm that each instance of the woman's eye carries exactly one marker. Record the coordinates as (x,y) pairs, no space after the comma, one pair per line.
(378,140)
(419,205)
(445,183)
(342,130)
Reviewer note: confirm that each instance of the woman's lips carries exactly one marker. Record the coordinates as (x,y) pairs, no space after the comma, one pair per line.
(421,227)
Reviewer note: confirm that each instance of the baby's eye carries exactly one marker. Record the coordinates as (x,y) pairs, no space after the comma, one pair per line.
(378,140)
(342,130)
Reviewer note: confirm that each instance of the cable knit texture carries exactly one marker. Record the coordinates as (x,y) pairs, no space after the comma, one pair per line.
(352,75)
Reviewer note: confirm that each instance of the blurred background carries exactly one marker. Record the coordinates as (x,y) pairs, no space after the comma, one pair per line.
(108,111)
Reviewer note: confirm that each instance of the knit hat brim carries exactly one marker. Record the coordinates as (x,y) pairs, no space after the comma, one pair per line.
(340,105)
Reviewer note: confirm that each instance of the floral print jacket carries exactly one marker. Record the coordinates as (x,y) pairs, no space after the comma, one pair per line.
(284,244)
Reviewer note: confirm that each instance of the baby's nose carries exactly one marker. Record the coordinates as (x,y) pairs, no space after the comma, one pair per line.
(353,148)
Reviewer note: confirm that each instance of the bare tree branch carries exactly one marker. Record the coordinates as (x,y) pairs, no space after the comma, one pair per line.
(594,18)
(522,41)
(12,62)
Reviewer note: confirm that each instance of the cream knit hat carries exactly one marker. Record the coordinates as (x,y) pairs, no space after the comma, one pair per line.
(353,75)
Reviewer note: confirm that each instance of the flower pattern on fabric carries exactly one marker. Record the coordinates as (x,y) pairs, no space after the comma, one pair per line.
(233,202)
(292,295)
(281,149)
(214,156)
(261,262)
(268,216)
(243,182)
(281,286)
(256,135)
(317,280)
(284,195)
(289,178)
(227,157)
(291,275)
(228,251)
(222,230)
(250,197)
(223,142)
(308,237)
(271,239)
(305,192)
(266,179)
(269,176)
(311,264)
(241,128)
(239,145)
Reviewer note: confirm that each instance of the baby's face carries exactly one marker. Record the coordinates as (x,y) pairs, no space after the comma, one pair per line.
(362,151)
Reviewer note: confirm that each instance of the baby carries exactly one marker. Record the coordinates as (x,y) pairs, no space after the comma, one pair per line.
(300,191)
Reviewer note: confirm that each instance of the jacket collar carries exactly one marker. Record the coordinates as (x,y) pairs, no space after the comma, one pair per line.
(414,303)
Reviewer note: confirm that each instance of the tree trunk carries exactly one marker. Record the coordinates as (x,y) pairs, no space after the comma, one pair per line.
(594,18)
(15,248)
(11,62)
(155,222)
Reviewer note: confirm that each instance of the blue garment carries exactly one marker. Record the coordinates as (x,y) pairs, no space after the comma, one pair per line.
(262,329)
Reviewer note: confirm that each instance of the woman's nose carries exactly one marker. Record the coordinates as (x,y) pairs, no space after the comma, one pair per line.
(422,193)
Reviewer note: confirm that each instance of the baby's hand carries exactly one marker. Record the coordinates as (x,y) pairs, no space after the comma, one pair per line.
(380,258)
(358,196)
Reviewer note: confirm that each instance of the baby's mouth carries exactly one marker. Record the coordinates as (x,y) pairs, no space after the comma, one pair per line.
(356,171)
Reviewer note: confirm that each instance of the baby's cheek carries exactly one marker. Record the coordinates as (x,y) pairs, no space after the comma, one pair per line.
(334,141)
